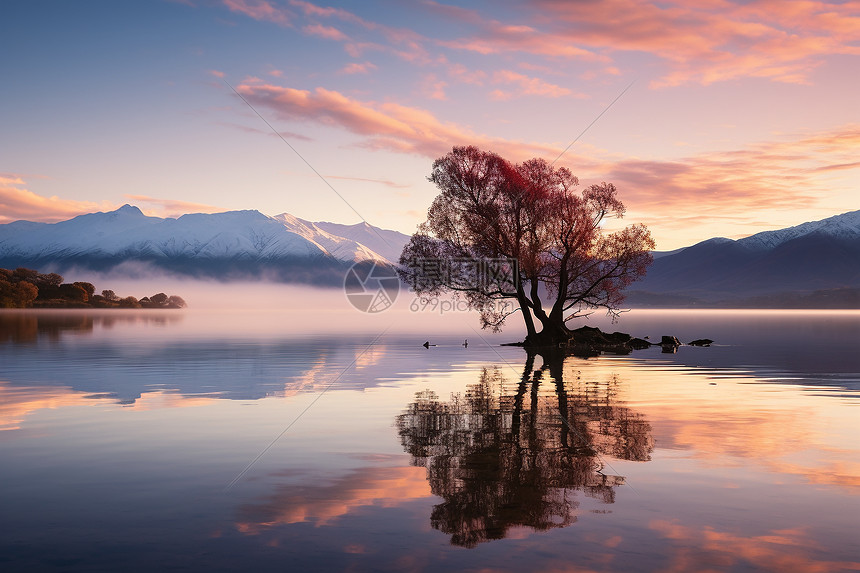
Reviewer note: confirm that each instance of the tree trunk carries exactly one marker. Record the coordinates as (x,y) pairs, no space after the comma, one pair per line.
(531,331)
(553,331)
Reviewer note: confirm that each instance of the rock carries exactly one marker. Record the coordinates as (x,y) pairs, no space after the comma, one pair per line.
(702,342)
(619,337)
(591,335)
(588,341)
(587,334)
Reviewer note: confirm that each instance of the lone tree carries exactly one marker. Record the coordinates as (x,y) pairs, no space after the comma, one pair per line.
(500,230)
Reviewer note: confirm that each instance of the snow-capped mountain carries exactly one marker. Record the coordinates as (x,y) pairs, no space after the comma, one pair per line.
(231,244)
(341,247)
(387,243)
(845,226)
(813,256)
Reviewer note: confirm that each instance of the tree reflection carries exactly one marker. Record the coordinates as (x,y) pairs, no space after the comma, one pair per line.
(19,327)
(514,454)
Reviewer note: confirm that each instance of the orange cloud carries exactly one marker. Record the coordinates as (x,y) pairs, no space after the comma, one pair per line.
(767,175)
(260,10)
(19,402)
(16,403)
(17,203)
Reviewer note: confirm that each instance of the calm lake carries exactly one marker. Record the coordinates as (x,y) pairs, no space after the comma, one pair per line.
(215,440)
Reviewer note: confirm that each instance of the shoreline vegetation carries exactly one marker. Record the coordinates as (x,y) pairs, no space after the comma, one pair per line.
(28,288)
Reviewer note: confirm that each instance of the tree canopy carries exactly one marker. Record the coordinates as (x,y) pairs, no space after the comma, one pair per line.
(500,230)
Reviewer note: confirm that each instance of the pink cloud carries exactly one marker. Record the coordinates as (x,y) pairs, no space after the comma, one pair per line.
(260,10)
(386,182)
(781,175)
(324,504)
(405,44)
(17,202)
(464,75)
(172,207)
(327,32)
(216,73)
(703,42)
(532,86)
(311,9)
(434,88)
(780,550)
(356,68)
(384,126)
(266,132)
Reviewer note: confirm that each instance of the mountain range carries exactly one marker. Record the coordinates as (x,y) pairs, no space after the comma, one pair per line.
(815,264)
(227,246)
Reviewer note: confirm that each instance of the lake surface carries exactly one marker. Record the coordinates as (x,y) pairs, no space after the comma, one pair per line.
(210,441)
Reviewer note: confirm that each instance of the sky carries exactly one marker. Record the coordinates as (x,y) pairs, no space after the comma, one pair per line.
(711,117)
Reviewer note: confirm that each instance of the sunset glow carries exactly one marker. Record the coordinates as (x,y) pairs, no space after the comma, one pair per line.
(739,117)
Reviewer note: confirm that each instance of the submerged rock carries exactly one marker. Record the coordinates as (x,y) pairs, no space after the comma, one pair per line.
(701,342)
(639,343)
(669,341)
(588,341)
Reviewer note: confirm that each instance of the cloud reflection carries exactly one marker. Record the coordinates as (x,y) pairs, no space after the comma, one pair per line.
(786,550)
(324,504)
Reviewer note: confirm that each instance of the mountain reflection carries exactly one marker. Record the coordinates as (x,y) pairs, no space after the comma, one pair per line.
(513,454)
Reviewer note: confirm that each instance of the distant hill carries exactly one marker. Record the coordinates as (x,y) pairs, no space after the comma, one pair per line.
(816,264)
(813,265)
(226,246)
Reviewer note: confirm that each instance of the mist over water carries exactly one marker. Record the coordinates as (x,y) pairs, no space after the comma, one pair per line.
(268,307)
